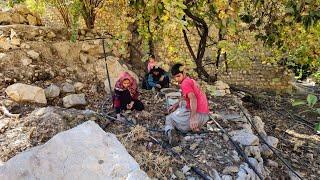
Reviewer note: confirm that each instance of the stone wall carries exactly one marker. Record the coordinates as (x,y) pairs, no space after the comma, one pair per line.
(260,77)
(104,21)
(52,18)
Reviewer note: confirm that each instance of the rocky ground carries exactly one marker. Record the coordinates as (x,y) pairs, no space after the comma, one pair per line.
(298,141)
(66,85)
(210,150)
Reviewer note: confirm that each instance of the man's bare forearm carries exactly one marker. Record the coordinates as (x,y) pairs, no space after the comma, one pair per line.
(193,104)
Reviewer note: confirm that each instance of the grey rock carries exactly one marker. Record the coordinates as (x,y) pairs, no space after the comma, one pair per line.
(33,54)
(84,152)
(4,123)
(185,169)
(93,89)
(180,174)
(259,125)
(258,165)
(253,151)
(219,93)
(74,100)
(215,174)
(272,163)
(272,141)
(26,61)
(51,35)
(230,170)
(220,85)
(2,55)
(52,91)
(78,86)
(245,138)
(226,177)
(68,88)
(84,58)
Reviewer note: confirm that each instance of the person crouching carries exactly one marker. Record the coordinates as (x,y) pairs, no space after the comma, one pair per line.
(126,95)
(157,79)
(193,113)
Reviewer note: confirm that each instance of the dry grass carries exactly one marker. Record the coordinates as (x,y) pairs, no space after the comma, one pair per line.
(152,160)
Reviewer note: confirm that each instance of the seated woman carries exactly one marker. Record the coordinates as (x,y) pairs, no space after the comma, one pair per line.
(126,95)
(157,79)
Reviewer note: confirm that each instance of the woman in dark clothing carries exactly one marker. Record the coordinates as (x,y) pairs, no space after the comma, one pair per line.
(126,94)
(157,79)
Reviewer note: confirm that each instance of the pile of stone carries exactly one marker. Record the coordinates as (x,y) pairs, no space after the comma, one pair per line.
(221,88)
(20,92)
(20,14)
(15,36)
(248,139)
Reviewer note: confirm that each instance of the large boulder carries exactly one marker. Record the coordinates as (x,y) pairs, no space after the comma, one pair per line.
(115,69)
(26,93)
(84,152)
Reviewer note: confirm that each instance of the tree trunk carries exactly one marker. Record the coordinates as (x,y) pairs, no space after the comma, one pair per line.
(135,46)
(150,40)
(90,20)
(203,32)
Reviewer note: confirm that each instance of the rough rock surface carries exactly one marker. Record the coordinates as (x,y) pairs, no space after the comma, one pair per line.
(221,88)
(74,100)
(26,93)
(245,138)
(84,152)
(68,88)
(52,91)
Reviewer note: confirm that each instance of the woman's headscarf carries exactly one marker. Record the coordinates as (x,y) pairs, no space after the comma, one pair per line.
(133,88)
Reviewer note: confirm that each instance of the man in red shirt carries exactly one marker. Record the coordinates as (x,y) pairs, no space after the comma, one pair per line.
(190,114)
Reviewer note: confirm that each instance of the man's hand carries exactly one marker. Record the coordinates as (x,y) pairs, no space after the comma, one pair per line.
(130,105)
(194,123)
(158,85)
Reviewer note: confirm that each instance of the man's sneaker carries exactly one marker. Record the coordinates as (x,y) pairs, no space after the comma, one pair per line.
(172,137)
(168,135)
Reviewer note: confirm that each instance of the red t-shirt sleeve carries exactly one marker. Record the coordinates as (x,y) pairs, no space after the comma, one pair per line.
(187,87)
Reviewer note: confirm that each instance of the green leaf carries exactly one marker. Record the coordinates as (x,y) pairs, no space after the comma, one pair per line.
(312,100)
(317,110)
(298,102)
(317,128)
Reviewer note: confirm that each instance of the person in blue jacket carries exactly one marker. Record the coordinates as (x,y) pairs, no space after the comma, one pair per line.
(157,79)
